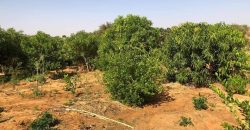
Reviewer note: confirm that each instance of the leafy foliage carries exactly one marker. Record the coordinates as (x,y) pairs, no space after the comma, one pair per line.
(45,122)
(235,85)
(131,63)
(11,53)
(242,28)
(71,83)
(37,92)
(201,53)
(133,78)
(131,31)
(228,126)
(185,121)
(133,55)
(200,102)
(81,48)
(43,52)
(235,104)
(40,78)
(102,29)
(245,106)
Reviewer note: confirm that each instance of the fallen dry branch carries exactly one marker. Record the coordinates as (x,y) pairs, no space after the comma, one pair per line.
(98,116)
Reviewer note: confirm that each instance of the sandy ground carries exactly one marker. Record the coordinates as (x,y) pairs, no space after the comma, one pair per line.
(21,108)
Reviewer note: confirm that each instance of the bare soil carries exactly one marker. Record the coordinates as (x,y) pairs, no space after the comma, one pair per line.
(21,108)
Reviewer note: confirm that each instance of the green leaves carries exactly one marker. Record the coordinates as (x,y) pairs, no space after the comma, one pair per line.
(131,63)
(45,122)
(80,47)
(133,77)
(10,49)
(133,31)
(206,50)
(200,102)
(235,85)
(235,105)
(43,50)
(185,121)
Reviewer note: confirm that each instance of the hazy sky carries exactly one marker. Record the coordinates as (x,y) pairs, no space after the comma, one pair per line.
(58,17)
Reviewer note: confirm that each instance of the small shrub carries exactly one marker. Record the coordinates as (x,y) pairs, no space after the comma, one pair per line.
(31,78)
(45,122)
(37,92)
(14,81)
(235,85)
(41,79)
(245,106)
(227,126)
(71,83)
(200,103)
(185,121)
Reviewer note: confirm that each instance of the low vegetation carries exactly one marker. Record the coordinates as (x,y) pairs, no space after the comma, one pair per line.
(185,121)
(36,92)
(45,122)
(200,103)
(71,83)
(235,106)
(235,85)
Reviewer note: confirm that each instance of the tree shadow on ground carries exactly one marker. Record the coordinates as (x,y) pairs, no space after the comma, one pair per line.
(159,99)
(61,74)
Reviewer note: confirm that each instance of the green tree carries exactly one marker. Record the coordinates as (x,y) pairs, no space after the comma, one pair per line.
(201,53)
(81,48)
(44,49)
(128,54)
(131,30)
(11,54)
(134,76)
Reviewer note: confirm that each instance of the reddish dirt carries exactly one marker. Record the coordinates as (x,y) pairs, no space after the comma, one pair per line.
(21,108)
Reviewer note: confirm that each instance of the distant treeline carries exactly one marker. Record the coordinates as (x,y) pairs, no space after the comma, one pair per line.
(29,52)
